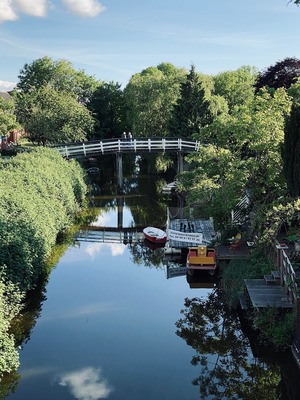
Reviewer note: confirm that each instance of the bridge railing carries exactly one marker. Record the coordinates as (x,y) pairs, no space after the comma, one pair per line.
(128,146)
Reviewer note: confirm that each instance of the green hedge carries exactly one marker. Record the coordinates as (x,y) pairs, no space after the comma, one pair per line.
(39,194)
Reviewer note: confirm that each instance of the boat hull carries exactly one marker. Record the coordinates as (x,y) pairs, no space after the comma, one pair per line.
(155,235)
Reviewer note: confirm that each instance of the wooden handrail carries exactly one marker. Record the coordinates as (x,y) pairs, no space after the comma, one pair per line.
(109,146)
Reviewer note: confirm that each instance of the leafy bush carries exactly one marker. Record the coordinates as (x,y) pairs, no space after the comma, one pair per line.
(39,194)
(276,325)
(233,275)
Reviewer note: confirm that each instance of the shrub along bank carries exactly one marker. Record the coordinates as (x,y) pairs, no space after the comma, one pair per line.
(40,193)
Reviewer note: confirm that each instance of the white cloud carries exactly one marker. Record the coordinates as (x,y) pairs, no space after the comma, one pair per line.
(84,8)
(114,249)
(103,220)
(10,9)
(36,8)
(6,86)
(86,384)
(6,11)
(88,311)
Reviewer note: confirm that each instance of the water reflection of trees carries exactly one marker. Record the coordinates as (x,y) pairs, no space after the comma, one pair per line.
(228,369)
(9,384)
(143,255)
(21,328)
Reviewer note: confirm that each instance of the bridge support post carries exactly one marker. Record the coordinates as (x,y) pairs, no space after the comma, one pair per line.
(179,162)
(180,203)
(120,183)
(120,204)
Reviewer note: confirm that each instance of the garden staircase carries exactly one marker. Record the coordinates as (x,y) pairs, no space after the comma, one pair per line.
(273,278)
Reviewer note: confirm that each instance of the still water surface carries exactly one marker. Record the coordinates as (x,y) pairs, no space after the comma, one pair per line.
(107,330)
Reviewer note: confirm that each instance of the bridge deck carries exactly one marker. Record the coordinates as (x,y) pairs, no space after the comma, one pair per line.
(140,145)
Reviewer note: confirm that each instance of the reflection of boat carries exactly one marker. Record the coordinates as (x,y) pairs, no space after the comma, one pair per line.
(201,280)
(169,188)
(201,258)
(155,235)
(152,245)
(93,170)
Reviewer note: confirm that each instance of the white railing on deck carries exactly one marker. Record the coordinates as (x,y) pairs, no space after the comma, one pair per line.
(127,146)
(288,277)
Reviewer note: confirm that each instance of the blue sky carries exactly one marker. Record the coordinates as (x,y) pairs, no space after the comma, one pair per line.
(114,39)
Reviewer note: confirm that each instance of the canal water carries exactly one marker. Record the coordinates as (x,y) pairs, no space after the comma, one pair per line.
(110,324)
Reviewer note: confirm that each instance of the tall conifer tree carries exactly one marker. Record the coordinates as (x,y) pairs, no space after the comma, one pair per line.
(192,110)
(291,153)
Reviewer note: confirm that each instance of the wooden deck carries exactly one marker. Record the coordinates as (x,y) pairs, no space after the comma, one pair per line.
(223,252)
(263,295)
(193,226)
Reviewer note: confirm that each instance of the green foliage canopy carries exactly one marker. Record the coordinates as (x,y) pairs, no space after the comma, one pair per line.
(291,153)
(150,96)
(236,86)
(51,98)
(192,109)
(241,151)
(7,117)
(59,75)
(54,117)
(109,109)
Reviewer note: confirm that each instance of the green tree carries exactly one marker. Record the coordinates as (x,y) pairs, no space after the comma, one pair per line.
(242,151)
(192,110)
(50,101)
(54,117)
(59,75)
(236,86)
(109,109)
(7,117)
(291,153)
(265,164)
(150,96)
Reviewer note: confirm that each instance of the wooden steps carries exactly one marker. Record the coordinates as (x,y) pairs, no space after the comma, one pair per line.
(243,302)
(273,278)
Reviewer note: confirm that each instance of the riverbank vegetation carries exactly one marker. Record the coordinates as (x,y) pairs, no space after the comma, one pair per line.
(40,193)
(273,326)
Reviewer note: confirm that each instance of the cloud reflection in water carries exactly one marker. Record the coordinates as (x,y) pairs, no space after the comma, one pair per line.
(86,384)
(113,249)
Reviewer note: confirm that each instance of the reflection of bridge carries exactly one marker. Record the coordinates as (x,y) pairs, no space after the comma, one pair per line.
(134,146)
(109,235)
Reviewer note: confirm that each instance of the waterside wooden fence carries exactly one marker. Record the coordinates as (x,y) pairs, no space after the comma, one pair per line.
(288,276)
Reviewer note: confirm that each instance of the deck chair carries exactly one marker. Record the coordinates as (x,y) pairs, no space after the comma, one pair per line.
(236,243)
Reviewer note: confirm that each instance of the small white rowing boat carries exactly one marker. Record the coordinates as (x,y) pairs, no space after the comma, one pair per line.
(155,235)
